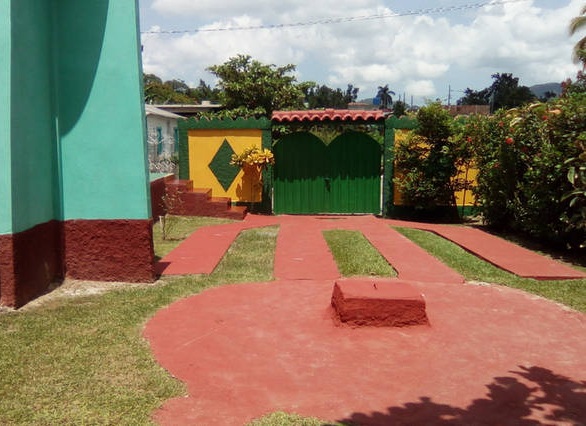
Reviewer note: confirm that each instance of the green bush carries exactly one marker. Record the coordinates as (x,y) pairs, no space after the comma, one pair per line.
(428,160)
(522,158)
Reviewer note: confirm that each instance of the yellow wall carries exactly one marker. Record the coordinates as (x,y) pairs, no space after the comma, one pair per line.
(203,146)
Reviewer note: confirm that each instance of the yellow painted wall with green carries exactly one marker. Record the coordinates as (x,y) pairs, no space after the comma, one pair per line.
(203,146)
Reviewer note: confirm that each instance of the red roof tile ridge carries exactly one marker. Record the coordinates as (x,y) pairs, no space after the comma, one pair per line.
(327,114)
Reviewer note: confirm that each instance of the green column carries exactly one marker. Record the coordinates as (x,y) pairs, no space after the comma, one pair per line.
(100,110)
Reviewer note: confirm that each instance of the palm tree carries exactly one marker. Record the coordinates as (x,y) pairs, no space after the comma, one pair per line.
(577,24)
(384,94)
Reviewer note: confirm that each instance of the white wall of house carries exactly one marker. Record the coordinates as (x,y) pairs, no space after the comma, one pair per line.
(161,133)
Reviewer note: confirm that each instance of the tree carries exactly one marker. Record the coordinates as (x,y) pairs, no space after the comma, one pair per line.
(399,108)
(473,97)
(325,97)
(169,92)
(248,84)
(578,24)
(504,92)
(204,92)
(427,162)
(577,86)
(384,94)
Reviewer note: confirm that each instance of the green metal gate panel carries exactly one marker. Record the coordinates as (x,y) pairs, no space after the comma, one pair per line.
(355,169)
(300,172)
(312,178)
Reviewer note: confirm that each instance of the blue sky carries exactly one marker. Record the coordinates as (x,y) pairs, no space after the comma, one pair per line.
(421,55)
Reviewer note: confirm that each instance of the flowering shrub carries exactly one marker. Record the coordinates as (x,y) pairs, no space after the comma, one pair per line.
(577,197)
(523,170)
(253,156)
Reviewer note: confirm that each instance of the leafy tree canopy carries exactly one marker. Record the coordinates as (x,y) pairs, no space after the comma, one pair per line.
(579,24)
(175,91)
(248,84)
(384,94)
(504,92)
(325,97)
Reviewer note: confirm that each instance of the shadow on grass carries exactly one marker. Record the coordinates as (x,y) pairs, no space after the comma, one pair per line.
(510,401)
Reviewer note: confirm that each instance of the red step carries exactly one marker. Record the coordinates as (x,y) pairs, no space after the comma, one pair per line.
(199,202)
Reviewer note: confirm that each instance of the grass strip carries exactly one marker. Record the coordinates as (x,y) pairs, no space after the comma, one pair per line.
(285,419)
(82,361)
(355,256)
(569,292)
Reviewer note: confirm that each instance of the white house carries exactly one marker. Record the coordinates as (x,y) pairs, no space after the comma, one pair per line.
(162,136)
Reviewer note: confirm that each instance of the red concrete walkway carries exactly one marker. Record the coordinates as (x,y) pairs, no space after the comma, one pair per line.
(510,257)
(491,355)
(202,251)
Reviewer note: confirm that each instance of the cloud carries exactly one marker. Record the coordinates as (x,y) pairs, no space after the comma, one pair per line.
(417,54)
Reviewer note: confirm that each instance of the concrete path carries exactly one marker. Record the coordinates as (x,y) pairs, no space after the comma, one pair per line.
(491,355)
(300,238)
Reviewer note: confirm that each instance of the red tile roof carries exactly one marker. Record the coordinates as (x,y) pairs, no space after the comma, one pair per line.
(327,115)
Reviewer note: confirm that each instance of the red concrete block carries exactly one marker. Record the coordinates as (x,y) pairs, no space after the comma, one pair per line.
(378,303)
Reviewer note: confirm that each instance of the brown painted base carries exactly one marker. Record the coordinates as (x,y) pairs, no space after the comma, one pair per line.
(378,303)
(97,250)
(29,262)
(109,250)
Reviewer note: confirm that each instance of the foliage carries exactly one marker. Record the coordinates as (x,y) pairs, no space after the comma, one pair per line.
(175,91)
(324,97)
(385,95)
(577,24)
(504,92)
(248,83)
(399,108)
(172,204)
(253,156)
(572,87)
(577,197)
(521,154)
(428,160)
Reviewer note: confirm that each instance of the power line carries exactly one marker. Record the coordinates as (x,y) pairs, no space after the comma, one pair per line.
(324,21)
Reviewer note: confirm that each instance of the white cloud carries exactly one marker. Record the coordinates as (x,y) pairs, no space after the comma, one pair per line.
(417,54)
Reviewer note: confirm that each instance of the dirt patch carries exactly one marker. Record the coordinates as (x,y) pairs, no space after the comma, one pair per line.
(77,288)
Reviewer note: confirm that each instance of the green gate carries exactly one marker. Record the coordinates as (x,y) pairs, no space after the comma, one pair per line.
(312,178)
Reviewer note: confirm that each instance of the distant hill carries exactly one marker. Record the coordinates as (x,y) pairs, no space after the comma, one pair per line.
(539,90)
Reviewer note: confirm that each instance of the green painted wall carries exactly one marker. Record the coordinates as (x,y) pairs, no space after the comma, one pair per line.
(32,125)
(5,165)
(31,132)
(71,97)
(101,120)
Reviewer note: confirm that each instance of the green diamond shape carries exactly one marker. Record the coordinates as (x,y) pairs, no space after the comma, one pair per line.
(221,167)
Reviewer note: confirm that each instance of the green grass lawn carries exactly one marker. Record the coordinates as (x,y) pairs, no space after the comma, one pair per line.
(355,256)
(82,360)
